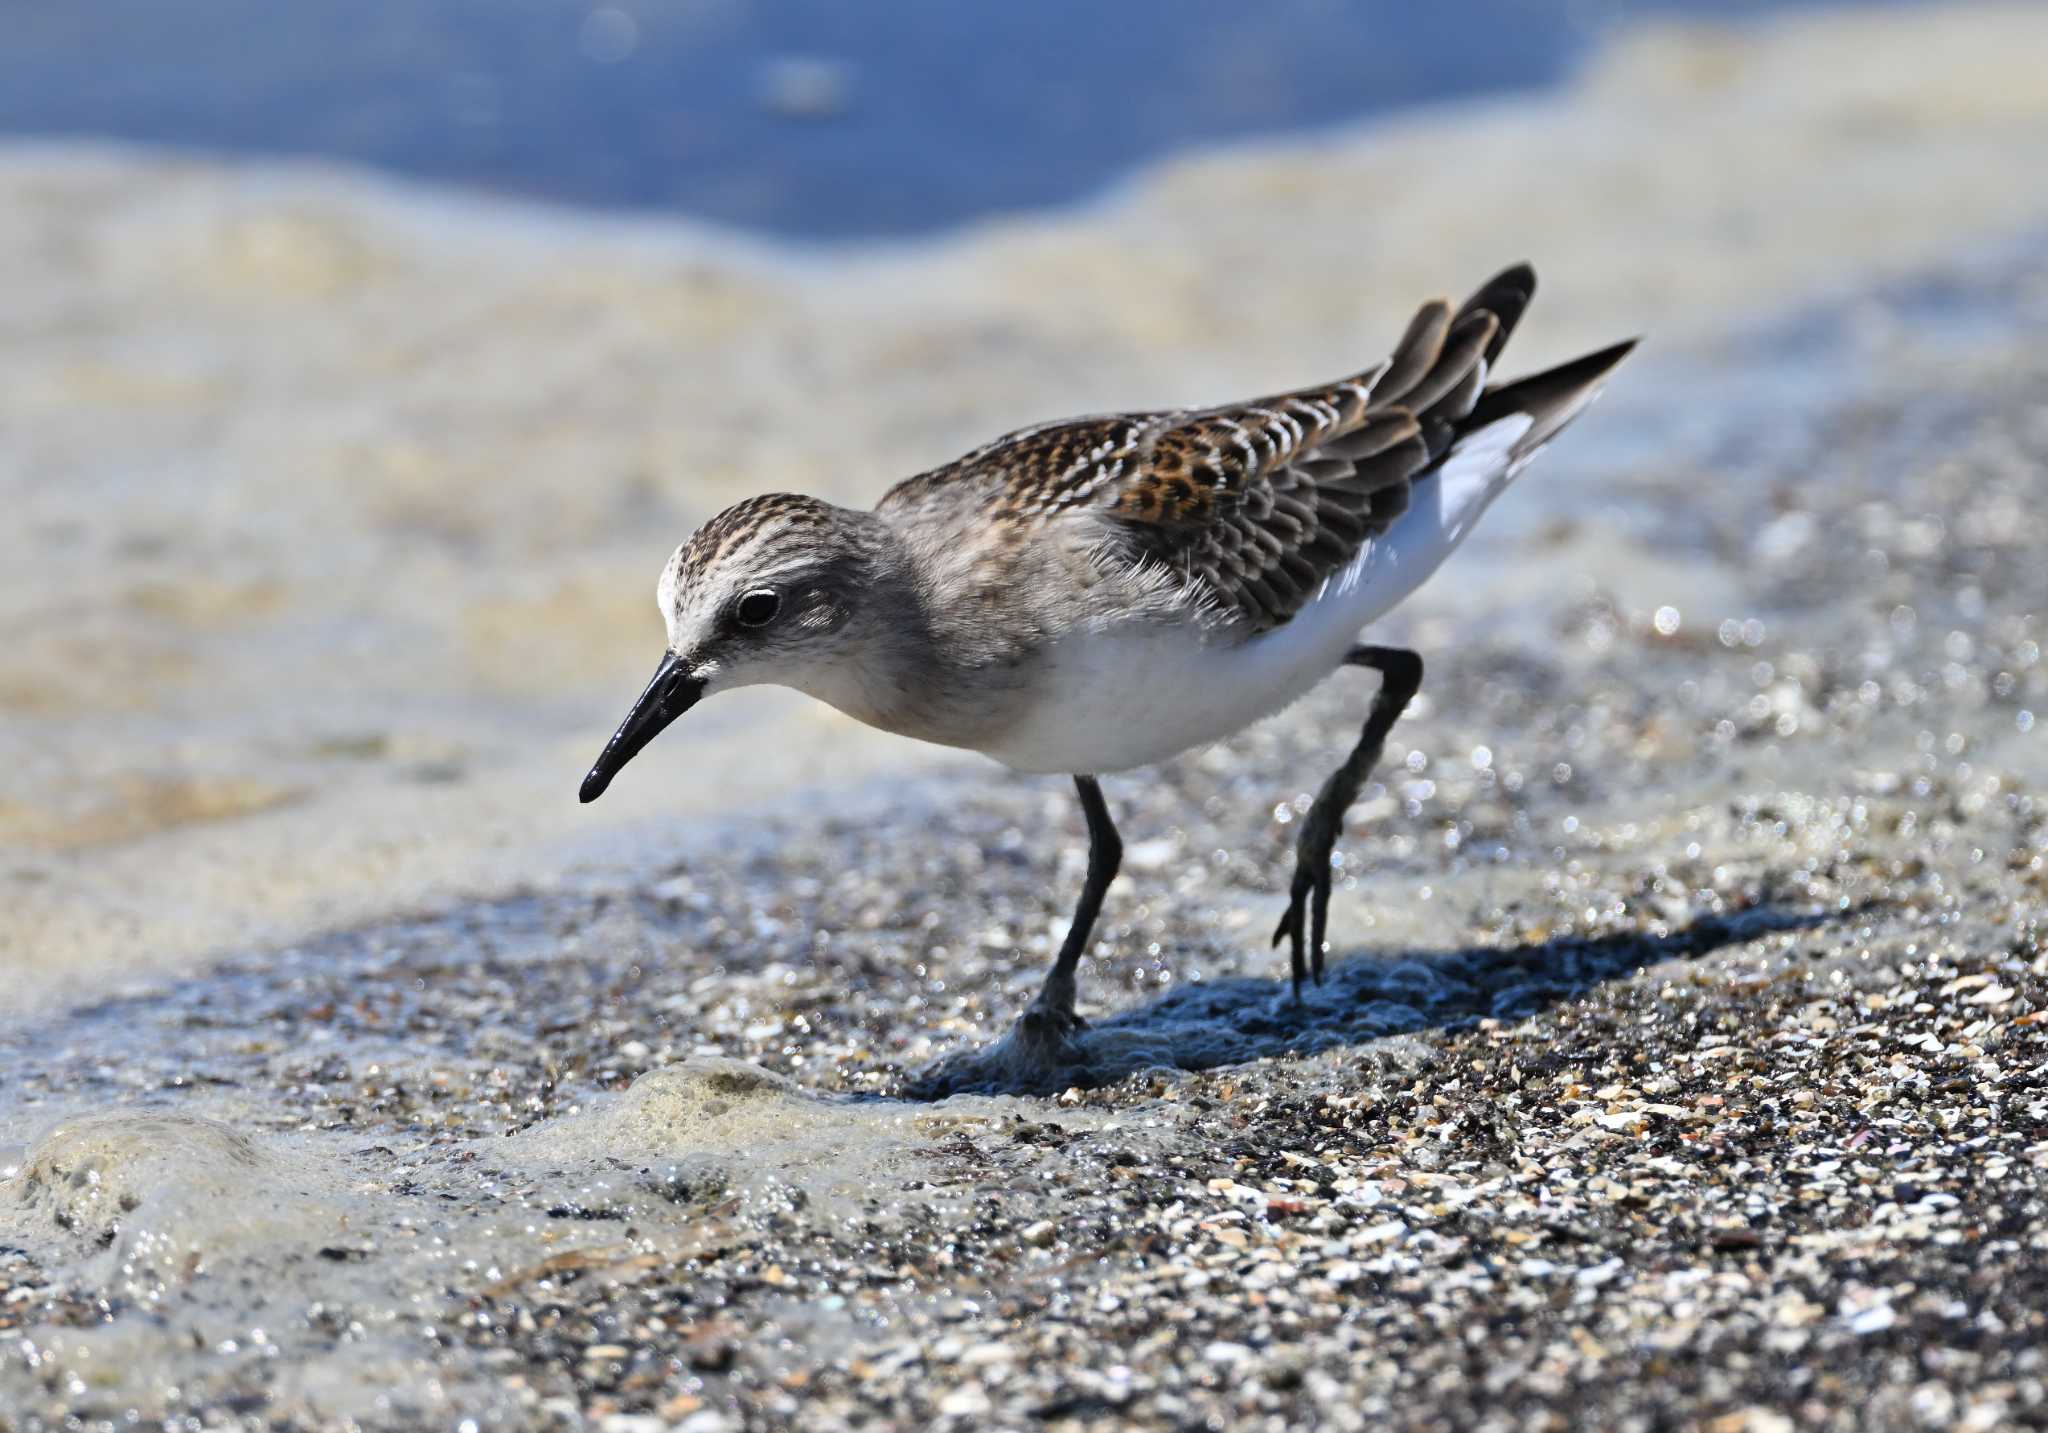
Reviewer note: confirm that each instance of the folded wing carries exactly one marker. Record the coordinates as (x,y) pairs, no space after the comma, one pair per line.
(1254,506)
(1264,502)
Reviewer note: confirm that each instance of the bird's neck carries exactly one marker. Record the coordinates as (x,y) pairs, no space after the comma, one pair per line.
(914,665)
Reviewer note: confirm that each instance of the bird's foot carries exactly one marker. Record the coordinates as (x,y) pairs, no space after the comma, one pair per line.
(1308,905)
(1041,1054)
(1046,1031)
(1043,1050)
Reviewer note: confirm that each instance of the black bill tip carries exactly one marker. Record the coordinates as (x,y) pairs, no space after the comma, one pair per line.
(673,691)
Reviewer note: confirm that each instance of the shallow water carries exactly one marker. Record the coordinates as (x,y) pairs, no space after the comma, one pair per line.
(804,117)
(1686,1016)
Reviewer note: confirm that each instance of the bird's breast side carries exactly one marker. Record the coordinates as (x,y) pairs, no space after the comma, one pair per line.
(1114,698)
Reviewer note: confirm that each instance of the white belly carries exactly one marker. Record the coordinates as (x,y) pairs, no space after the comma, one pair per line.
(1136,694)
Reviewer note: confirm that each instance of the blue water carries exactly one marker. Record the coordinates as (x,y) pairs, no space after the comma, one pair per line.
(811,118)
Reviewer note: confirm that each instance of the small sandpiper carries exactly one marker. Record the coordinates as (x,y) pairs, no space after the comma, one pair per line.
(1102,593)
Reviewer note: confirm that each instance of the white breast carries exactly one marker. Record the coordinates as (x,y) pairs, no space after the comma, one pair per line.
(1135,694)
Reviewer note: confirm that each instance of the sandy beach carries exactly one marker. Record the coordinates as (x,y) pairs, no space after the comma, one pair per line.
(1681,1064)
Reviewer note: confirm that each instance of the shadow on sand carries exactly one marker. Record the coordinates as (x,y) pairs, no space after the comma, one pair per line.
(1229,1022)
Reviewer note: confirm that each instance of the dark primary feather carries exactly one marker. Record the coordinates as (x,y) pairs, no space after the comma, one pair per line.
(1260,503)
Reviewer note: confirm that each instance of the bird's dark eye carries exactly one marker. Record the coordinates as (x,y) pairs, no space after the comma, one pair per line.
(758,609)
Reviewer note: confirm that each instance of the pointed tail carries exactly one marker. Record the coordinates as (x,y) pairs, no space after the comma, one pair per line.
(1551,399)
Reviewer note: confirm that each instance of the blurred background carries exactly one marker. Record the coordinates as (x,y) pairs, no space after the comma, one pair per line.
(363,359)
(804,118)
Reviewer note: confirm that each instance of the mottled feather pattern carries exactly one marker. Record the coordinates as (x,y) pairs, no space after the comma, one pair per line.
(747,520)
(1254,507)
(1101,594)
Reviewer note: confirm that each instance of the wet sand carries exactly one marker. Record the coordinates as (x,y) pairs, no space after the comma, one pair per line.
(1681,1060)
(337,506)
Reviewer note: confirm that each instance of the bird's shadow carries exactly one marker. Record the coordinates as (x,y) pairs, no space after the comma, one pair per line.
(1228,1022)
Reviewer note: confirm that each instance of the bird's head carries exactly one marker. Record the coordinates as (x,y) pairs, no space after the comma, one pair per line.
(778,589)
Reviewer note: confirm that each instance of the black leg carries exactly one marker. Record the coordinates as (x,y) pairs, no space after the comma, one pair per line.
(1055,1003)
(1400,675)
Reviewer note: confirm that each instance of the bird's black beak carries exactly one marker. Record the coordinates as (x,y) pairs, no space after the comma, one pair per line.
(673,691)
